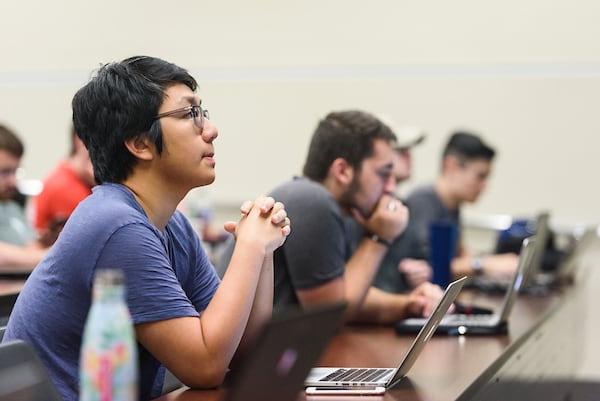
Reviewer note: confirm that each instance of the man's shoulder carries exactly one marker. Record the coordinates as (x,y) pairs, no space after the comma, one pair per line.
(303,191)
(422,192)
(109,205)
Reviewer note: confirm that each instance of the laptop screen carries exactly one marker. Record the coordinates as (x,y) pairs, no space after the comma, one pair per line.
(428,329)
(528,252)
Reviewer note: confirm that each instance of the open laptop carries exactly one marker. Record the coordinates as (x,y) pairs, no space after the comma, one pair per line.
(568,268)
(288,347)
(386,377)
(565,273)
(542,231)
(496,323)
(533,281)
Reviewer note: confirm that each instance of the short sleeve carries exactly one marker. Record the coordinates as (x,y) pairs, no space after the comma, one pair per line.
(153,290)
(315,250)
(205,278)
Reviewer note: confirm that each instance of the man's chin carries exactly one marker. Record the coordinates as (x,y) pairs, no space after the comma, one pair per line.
(365,214)
(206,180)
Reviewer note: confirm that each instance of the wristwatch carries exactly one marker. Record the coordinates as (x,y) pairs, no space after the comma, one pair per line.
(378,239)
(477,266)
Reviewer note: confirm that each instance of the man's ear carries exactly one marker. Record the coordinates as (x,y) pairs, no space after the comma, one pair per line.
(141,147)
(451,164)
(341,171)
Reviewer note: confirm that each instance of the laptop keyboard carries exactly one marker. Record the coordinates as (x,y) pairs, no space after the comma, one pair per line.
(353,375)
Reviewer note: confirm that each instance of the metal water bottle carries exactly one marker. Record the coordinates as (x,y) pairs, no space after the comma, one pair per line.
(108,363)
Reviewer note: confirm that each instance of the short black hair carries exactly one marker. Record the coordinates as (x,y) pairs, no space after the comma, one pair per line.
(120,103)
(10,142)
(467,146)
(346,134)
(72,136)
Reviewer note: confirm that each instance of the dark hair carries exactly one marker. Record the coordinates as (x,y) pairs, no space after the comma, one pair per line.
(466,146)
(120,103)
(10,142)
(345,134)
(72,136)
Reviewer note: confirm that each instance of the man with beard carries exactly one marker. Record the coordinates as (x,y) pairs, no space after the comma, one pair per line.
(348,171)
(19,250)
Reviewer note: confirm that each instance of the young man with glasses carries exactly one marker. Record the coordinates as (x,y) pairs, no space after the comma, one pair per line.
(19,248)
(150,142)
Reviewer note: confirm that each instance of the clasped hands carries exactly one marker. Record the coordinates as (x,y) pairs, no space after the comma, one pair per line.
(264,221)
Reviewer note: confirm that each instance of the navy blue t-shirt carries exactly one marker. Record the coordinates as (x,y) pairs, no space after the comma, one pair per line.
(167,274)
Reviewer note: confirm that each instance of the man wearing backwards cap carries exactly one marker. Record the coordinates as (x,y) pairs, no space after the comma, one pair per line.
(398,274)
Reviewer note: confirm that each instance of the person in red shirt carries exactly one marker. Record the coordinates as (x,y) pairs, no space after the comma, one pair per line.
(67,185)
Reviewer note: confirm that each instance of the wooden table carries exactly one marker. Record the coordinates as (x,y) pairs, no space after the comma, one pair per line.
(11,287)
(445,368)
(545,333)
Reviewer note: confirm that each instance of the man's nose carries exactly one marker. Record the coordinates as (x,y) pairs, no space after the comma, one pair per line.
(209,131)
(390,185)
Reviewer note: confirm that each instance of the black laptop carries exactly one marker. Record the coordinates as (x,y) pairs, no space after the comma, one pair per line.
(496,323)
(284,353)
(568,269)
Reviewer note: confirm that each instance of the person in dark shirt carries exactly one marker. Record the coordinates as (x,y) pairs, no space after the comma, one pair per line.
(20,249)
(465,169)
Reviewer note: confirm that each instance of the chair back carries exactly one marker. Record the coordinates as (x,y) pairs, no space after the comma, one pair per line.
(23,376)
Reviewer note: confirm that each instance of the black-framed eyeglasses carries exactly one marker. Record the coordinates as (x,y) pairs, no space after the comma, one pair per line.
(194,111)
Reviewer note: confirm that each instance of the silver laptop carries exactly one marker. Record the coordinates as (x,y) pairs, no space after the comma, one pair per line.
(533,281)
(496,323)
(568,268)
(542,231)
(387,377)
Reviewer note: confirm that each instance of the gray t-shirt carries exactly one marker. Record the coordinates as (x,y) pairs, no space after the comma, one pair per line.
(425,207)
(14,228)
(320,244)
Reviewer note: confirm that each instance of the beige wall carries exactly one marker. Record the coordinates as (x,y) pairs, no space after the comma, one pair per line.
(525,74)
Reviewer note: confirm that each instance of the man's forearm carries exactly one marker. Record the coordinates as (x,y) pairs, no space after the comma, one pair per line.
(224,321)
(262,307)
(20,257)
(382,307)
(360,272)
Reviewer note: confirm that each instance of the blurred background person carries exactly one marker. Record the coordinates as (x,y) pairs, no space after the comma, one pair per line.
(401,270)
(465,171)
(19,249)
(69,183)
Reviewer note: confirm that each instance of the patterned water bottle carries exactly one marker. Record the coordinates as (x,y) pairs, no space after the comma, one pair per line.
(108,364)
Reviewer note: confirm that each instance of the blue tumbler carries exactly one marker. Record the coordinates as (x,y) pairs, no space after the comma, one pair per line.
(443,235)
